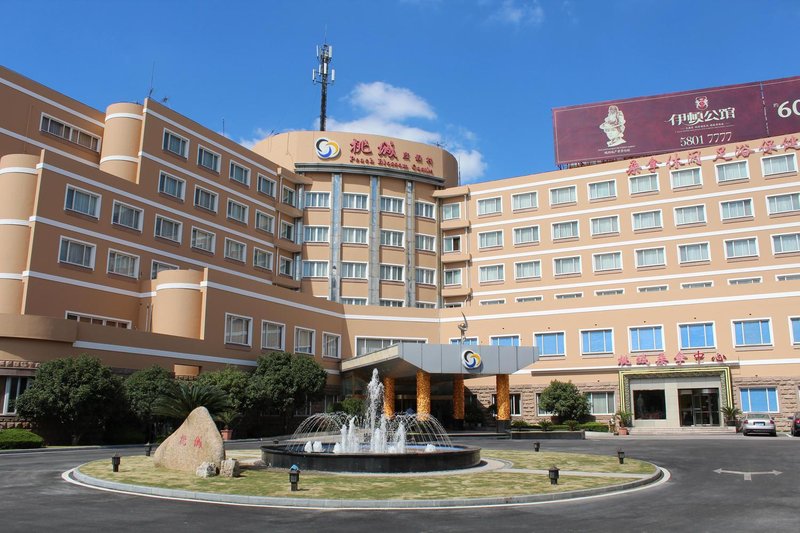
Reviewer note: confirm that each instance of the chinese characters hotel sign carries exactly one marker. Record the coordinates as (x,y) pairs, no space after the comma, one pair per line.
(384,154)
(677,121)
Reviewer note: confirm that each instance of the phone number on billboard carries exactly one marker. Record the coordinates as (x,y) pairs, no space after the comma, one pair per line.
(708,138)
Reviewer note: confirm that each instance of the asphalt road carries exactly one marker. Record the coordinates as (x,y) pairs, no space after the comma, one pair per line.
(34,498)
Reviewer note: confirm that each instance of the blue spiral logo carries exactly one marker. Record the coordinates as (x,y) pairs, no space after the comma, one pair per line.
(471,360)
(326,148)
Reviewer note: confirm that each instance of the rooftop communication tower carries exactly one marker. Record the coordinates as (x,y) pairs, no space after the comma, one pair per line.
(324,75)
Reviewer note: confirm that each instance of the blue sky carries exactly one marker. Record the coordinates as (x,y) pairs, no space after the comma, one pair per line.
(478,76)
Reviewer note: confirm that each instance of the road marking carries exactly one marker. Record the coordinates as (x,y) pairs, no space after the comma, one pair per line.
(748,476)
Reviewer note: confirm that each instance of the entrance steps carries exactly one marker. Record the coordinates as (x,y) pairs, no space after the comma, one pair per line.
(686,431)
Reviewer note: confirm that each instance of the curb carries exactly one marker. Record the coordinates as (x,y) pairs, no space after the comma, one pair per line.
(75,475)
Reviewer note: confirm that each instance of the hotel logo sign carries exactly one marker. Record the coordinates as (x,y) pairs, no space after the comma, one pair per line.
(471,360)
(327,148)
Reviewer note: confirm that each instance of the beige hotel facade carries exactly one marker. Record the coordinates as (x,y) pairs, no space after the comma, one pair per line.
(139,236)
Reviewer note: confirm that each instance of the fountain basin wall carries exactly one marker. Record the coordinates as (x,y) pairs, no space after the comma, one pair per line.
(452,458)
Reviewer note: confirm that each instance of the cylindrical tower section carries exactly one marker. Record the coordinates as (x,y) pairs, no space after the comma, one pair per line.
(18,177)
(119,154)
(178,304)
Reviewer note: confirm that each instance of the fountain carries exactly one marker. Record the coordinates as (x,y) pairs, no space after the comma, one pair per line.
(371,443)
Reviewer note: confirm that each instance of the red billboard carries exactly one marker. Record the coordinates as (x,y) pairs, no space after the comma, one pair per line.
(693,119)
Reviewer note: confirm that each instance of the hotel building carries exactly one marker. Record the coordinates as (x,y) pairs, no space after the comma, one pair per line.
(667,287)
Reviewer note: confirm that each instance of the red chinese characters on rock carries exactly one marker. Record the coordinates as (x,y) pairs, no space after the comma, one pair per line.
(182,441)
(360,146)
(198,442)
(387,149)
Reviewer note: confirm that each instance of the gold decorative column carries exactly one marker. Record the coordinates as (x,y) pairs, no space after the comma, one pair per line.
(503,400)
(388,397)
(423,394)
(458,398)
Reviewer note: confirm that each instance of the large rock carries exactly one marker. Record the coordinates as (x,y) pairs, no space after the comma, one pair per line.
(197,441)
(229,468)
(206,470)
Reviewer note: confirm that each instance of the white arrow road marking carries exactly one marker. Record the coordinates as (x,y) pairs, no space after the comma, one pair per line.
(748,476)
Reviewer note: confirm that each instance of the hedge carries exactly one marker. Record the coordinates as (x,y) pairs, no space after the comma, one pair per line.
(15,439)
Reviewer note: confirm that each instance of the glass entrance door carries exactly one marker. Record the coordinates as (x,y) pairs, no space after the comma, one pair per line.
(699,407)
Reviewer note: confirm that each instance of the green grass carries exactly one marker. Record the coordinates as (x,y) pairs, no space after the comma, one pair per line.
(140,470)
(571,461)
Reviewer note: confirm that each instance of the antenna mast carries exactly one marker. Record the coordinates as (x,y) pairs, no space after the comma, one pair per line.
(324,76)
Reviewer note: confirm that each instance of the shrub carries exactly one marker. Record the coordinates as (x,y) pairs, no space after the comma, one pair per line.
(545,425)
(473,414)
(572,425)
(595,426)
(564,400)
(17,439)
(519,424)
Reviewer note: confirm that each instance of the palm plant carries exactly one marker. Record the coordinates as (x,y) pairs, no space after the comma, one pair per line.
(186,397)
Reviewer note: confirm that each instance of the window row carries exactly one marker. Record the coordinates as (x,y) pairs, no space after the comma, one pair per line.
(239,331)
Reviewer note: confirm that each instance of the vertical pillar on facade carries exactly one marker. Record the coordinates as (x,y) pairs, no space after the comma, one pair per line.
(388,396)
(503,403)
(336,237)
(411,240)
(458,401)
(423,394)
(373,281)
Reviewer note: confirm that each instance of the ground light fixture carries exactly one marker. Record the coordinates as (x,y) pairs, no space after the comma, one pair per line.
(536,445)
(294,477)
(621,456)
(115,463)
(148,449)
(553,475)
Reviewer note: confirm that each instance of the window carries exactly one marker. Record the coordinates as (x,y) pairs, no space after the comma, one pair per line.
(645,183)
(203,240)
(315,269)
(602,189)
(567,265)
(369,345)
(289,196)
(425,305)
(653,288)
(265,222)
(176,144)
(565,230)
(451,244)
(390,204)
(787,277)
(315,233)
(238,329)
(692,253)
(353,301)
(732,171)
(490,239)
(778,164)
(786,243)
(12,386)
(425,276)
(563,195)
(169,229)
(237,211)
(784,203)
(98,320)
(605,225)
(539,410)
(385,302)
(425,243)
(392,238)
(695,214)
(354,270)
(694,336)
(647,338)
(597,341)
(318,199)
(687,177)
(607,261)
(526,200)
(423,209)
(468,341)
(272,335)
(391,273)
(491,273)
(452,277)
(354,235)
(126,215)
(354,201)
(736,209)
(171,186)
(205,199)
(525,299)
(609,292)
(304,340)
(504,340)
(239,173)
(648,257)
(451,211)
(752,333)
(208,159)
(760,400)
(286,266)
(500,301)
(76,253)
(744,281)
(235,250)
(70,133)
(330,345)
(81,201)
(794,323)
(697,285)
(514,405)
(647,220)
(490,206)
(160,266)
(736,248)
(569,296)
(550,344)
(453,305)
(262,259)
(287,230)
(266,186)
(123,264)
(526,235)
(528,270)
(601,403)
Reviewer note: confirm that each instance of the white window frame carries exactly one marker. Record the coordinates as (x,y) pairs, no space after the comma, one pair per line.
(452,270)
(732,163)
(745,281)
(500,244)
(697,222)
(644,350)
(313,347)
(218,159)
(392,201)
(424,238)
(452,239)
(70,133)
(198,190)
(792,157)
(632,178)
(483,202)
(752,319)
(549,332)
(134,257)
(700,322)
(391,237)
(338,338)
(568,296)
(357,199)
(283,260)
(610,292)
(314,267)
(426,206)
(614,231)
(559,274)
(273,185)
(663,254)
(742,217)
(574,195)
(140,223)
(673,173)
(394,269)
(357,265)
(446,215)
(359,230)
(497,301)
(245,210)
(613,194)
(426,273)
(705,284)
(537,266)
(516,232)
(607,351)
(571,223)
(506,336)
(317,196)
(610,402)
(228,333)
(795,342)
(782,252)
(695,261)
(264,346)
(532,194)
(527,299)
(229,242)
(268,217)
(484,268)
(391,302)
(155,262)
(652,288)
(171,220)
(287,227)
(783,213)
(165,145)
(193,243)
(660,220)
(314,234)
(270,257)
(98,200)
(92,255)
(751,256)
(163,176)
(233,165)
(615,269)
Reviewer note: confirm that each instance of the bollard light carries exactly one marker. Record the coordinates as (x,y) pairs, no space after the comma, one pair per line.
(115,462)
(553,475)
(536,446)
(148,449)
(294,477)
(621,456)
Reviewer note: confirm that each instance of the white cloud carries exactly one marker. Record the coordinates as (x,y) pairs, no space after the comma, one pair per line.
(258,135)
(520,12)
(471,165)
(387,101)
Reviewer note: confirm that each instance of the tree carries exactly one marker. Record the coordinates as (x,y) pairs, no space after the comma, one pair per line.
(231,381)
(143,388)
(187,397)
(72,396)
(284,382)
(564,400)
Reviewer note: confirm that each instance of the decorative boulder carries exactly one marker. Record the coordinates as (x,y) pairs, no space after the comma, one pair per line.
(229,468)
(206,470)
(197,441)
